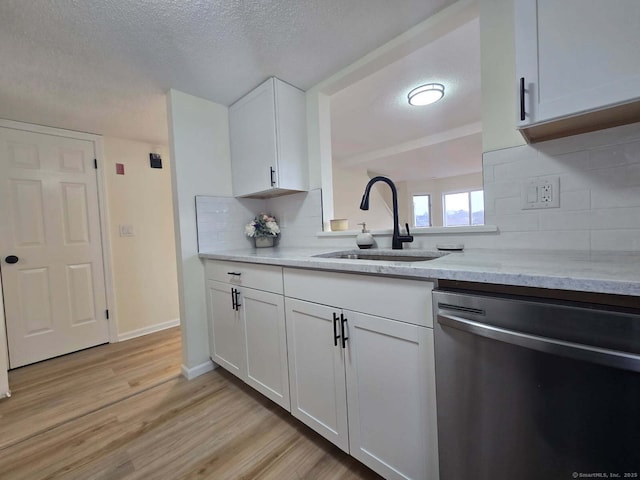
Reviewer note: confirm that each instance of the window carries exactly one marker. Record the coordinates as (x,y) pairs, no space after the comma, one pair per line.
(464,208)
(421,210)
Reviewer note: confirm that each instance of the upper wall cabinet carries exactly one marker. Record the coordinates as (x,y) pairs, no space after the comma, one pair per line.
(269,141)
(577,66)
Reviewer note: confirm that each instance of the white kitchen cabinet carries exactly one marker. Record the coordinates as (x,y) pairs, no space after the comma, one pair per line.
(268,141)
(372,392)
(577,66)
(227,346)
(248,336)
(316,370)
(391,397)
(265,337)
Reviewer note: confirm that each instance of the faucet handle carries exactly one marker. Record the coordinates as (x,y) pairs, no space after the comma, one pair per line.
(406,225)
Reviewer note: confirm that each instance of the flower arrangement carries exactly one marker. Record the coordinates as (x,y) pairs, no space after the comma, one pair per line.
(262,226)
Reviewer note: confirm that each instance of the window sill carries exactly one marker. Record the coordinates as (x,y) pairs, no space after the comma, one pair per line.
(419,231)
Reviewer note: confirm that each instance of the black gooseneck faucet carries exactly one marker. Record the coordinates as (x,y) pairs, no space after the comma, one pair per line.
(398,239)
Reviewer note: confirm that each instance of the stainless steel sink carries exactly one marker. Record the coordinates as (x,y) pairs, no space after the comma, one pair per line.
(385,255)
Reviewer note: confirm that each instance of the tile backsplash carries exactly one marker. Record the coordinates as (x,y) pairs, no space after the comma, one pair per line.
(599,192)
(599,202)
(221,220)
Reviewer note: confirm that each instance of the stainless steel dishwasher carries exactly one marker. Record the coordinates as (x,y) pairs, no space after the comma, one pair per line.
(536,389)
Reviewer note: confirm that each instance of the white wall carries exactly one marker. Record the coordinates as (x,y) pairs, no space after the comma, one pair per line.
(199,137)
(144,265)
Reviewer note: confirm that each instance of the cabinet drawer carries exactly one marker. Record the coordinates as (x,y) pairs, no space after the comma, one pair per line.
(399,299)
(260,277)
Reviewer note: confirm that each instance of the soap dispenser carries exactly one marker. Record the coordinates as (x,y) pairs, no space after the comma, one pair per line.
(364,239)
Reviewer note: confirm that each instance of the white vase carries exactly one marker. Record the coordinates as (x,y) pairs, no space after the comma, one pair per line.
(262,242)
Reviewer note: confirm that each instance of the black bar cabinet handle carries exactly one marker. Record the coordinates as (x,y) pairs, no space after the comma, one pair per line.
(234,273)
(335,329)
(238,304)
(272,172)
(233,299)
(343,321)
(522,112)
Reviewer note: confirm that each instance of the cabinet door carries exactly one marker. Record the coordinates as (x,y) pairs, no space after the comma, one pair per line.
(391,397)
(226,328)
(252,130)
(316,370)
(576,56)
(265,344)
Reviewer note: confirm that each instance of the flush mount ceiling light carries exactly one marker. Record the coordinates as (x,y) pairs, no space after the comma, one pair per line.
(426,94)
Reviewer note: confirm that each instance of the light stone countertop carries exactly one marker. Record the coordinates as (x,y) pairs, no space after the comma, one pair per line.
(601,272)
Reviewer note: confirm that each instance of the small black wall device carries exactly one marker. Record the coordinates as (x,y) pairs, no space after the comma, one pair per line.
(155,160)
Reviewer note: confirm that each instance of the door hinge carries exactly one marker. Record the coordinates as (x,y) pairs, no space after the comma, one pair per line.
(107,313)
(95,163)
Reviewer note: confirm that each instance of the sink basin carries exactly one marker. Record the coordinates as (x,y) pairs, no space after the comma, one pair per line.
(385,255)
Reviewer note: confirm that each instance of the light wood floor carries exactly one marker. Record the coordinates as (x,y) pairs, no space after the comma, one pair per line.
(122,411)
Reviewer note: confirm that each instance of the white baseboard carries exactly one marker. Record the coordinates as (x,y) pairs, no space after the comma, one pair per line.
(147,330)
(191,373)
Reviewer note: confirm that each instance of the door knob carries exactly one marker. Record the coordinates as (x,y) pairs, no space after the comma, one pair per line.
(11,259)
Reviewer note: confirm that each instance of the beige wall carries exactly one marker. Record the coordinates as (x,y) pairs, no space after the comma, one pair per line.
(144,265)
(348,187)
(436,188)
(498,75)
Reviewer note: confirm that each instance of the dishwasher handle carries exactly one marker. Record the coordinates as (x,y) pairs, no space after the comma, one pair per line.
(601,356)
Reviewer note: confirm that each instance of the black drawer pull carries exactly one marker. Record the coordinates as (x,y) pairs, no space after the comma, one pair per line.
(238,304)
(522,112)
(234,273)
(343,322)
(335,329)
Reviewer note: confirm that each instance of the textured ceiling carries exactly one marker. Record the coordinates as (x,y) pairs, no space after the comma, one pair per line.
(103,66)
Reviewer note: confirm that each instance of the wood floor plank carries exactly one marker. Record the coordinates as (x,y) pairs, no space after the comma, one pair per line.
(212,427)
(50,393)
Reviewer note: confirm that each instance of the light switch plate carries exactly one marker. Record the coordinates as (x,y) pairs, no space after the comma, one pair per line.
(126,230)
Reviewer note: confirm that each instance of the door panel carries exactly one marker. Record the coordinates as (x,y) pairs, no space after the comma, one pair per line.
(35,294)
(80,287)
(28,212)
(76,223)
(266,344)
(391,397)
(226,328)
(316,370)
(55,299)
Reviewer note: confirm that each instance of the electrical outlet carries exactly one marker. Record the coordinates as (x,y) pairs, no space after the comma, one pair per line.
(543,192)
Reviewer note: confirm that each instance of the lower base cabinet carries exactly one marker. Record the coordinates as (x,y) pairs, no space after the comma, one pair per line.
(249,338)
(366,383)
(391,408)
(316,370)
(350,356)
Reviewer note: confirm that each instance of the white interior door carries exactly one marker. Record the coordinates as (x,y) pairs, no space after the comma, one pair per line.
(54,294)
